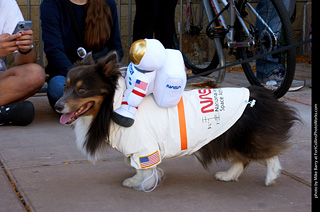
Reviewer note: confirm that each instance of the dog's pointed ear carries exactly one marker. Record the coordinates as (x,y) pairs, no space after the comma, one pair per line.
(109,65)
(87,60)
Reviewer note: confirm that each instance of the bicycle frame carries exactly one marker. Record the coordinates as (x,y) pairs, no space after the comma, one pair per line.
(212,7)
(222,60)
(234,13)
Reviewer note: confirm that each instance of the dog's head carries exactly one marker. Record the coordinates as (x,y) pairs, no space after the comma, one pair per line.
(89,91)
(87,85)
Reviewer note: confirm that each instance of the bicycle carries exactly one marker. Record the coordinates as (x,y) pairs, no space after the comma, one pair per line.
(205,34)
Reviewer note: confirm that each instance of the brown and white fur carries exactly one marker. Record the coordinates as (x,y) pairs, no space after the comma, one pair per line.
(260,134)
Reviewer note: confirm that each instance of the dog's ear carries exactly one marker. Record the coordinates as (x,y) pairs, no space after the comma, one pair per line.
(110,65)
(87,60)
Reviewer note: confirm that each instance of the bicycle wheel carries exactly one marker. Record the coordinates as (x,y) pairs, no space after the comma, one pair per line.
(275,71)
(198,49)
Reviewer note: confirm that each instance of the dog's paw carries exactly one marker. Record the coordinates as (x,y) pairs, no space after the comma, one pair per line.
(132,182)
(226,176)
(269,182)
(145,180)
(232,174)
(271,178)
(273,170)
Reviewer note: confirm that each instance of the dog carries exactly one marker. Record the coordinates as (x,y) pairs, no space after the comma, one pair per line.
(258,133)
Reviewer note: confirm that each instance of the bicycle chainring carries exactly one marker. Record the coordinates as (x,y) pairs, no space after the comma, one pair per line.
(266,41)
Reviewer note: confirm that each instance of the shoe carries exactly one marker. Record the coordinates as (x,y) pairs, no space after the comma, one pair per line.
(277,75)
(122,120)
(17,113)
(297,85)
(275,79)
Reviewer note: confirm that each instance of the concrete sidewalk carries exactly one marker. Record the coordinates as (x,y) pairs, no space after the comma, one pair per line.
(43,164)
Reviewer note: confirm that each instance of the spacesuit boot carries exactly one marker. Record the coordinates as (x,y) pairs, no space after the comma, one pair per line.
(124,115)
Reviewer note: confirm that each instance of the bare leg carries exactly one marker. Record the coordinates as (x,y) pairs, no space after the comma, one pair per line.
(20,82)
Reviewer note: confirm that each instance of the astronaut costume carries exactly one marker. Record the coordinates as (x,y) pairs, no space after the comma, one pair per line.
(159,133)
(153,69)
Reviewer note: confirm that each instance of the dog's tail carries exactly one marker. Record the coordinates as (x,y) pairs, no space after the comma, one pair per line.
(261,132)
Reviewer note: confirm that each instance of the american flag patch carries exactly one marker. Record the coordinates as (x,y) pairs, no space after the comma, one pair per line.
(142,85)
(150,160)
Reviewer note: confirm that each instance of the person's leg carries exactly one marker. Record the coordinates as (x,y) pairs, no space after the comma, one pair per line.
(17,84)
(55,89)
(268,13)
(266,66)
(290,6)
(144,21)
(165,28)
(20,82)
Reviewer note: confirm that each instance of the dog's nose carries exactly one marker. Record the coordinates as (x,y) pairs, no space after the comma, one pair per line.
(59,106)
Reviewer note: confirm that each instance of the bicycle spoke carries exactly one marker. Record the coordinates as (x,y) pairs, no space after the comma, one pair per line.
(198,50)
(268,24)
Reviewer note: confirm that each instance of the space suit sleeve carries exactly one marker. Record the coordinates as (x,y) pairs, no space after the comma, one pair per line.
(139,85)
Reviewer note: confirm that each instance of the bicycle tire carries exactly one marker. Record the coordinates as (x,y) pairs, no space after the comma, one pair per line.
(289,56)
(195,52)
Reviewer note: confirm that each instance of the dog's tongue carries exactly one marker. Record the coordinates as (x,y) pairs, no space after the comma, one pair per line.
(65,117)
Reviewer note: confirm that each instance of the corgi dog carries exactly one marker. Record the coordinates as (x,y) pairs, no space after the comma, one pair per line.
(241,124)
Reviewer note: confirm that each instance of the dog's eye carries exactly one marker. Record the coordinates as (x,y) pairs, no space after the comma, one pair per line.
(81,90)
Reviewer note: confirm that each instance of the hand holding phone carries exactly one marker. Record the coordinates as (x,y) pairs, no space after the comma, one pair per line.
(22,26)
(7,45)
(24,42)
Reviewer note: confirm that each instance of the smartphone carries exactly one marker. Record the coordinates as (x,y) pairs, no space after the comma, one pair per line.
(22,26)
